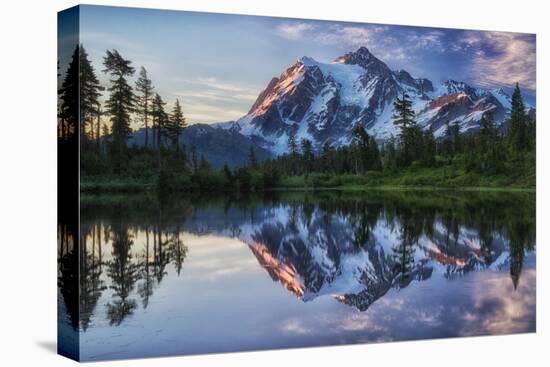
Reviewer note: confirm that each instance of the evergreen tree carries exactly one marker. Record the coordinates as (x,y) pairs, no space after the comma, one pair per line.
(403,116)
(447,145)
(457,139)
(375,162)
(160,119)
(68,96)
(120,103)
(270,176)
(361,149)
(293,151)
(106,134)
(489,154)
(429,148)
(326,158)
(89,94)
(252,162)
(144,89)
(194,160)
(487,132)
(390,156)
(227,173)
(452,141)
(175,125)
(292,145)
(307,155)
(410,134)
(532,133)
(517,134)
(98,127)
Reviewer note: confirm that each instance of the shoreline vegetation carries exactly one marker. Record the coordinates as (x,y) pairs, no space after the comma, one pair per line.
(432,179)
(494,157)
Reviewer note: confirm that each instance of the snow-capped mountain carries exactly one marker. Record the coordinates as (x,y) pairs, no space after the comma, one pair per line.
(325,101)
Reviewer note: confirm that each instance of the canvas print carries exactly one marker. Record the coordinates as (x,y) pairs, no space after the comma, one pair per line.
(232,183)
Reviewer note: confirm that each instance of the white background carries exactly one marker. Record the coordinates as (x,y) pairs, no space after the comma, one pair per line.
(28,181)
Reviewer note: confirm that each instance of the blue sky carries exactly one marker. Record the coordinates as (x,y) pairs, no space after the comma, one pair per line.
(218,64)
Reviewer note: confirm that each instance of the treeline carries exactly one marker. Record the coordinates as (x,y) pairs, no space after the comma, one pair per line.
(491,150)
(108,162)
(104,147)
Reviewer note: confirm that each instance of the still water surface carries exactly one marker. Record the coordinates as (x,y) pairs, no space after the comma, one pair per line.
(197,275)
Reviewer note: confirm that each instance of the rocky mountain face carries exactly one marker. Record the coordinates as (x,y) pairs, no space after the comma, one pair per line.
(323,102)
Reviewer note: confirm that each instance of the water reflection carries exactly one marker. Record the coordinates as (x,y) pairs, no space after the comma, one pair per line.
(324,249)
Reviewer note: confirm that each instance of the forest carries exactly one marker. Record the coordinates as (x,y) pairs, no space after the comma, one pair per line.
(495,156)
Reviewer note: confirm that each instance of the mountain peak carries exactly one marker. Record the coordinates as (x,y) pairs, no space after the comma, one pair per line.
(364,58)
(360,56)
(307,61)
(363,51)
(451,86)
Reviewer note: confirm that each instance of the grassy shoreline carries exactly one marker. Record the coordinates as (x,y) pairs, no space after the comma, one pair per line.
(408,188)
(428,180)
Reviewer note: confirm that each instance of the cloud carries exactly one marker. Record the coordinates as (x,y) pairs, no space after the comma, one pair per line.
(384,41)
(493,59)
(295,327)
(501,58)
(294,31)
(208,113)
(500,309)
(213,88)
(213,100)
(348,36)
(433,40)
(331,34)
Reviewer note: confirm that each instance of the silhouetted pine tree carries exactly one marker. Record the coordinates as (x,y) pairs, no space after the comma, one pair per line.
(194,160)
(410,136)
(307,155)
(327,158)
(403,116)
(144,89)
(68,95)
(175,125)
(293,152)
(517,133)
(160,118)
(429,148)
(89,95)
(120,103)
(375,162)
(360,149)
(390,158)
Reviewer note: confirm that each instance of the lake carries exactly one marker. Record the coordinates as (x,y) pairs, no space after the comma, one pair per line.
(189,275)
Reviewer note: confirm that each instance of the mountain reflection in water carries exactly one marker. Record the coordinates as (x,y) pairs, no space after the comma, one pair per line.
(436,259)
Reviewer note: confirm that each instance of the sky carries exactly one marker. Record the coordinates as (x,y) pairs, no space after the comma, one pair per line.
(217,64)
